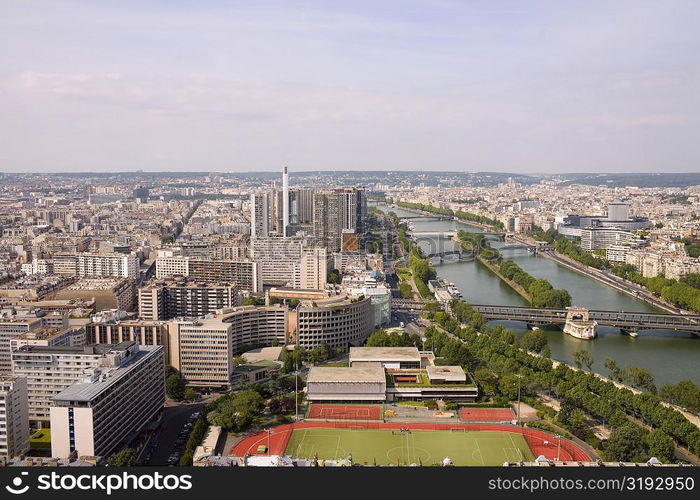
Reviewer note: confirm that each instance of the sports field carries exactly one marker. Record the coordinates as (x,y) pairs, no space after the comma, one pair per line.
(426,447)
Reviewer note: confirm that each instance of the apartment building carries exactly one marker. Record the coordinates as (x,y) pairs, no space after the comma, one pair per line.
(107,406)
(167,299)
(11,328)
(50,369)
(14,417)
(243,272)
(277,258)
(86,264)
(311,273)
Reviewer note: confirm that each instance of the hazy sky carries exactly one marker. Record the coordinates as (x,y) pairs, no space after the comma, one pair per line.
(528,86)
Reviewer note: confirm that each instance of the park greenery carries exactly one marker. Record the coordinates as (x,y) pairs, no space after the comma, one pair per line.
(541,291)
(496,360)
(384,338)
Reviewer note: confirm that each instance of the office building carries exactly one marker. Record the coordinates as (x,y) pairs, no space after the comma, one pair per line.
(339,322)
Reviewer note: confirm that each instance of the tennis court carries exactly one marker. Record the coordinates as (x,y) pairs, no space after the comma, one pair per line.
(345,412)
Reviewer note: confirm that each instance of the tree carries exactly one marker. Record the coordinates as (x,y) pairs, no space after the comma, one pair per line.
(123,458)
(583,358)
(334,277)
(174,387)
(534,340)
(508,386)
(611,365)
(190,395)
(660,446)
(405,290)
(238,360)
(320,353)
(626,444)
(237,412)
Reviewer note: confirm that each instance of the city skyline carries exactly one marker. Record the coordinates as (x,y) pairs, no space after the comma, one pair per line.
(537,88)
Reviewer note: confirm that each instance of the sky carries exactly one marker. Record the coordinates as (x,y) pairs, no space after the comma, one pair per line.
(514,86)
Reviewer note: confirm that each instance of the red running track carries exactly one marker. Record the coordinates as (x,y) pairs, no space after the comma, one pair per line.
(486,414)
(540,442)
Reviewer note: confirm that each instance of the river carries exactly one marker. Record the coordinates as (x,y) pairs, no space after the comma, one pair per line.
(670,356)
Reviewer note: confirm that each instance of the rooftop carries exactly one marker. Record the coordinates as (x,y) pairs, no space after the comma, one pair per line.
(87,391)
(448,373)
(367,373)
(384,354)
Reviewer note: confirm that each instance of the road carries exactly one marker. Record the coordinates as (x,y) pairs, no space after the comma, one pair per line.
(174,418)
(607,278)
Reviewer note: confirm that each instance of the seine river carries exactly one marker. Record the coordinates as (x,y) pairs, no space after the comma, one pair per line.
(670,356)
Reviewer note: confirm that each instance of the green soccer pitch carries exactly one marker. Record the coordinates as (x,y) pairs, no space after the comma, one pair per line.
(424,447)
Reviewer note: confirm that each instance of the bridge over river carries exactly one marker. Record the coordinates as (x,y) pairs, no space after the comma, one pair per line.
(630,322)
(626,321)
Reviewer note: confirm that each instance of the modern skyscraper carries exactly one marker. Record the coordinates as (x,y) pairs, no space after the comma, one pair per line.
(285,202)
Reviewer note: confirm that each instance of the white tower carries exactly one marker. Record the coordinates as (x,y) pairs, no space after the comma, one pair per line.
(285,201)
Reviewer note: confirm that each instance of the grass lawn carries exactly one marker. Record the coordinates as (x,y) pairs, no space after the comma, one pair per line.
(427,447)
(40,439)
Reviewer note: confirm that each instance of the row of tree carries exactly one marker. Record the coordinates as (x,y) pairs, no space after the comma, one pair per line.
(496,360)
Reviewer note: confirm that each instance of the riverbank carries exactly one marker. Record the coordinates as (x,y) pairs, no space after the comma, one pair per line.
(567,262)
(485,227)
(510,283)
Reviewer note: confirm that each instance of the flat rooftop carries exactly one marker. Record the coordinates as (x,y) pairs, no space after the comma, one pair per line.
(447,373)
(367,373)
(383,354)
(87,391)
(86,349)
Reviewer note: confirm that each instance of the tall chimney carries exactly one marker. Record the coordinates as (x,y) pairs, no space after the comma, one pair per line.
(285,201)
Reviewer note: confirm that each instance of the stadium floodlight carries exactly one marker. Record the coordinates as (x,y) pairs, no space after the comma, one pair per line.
(558,436)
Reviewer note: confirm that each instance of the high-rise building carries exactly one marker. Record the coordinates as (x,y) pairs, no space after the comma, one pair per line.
(312,271)
(14,417)
(10,329)
(259,216)
(326,221)
(109,405)
(285,202)
(85,264)
(202,350)
(277,258)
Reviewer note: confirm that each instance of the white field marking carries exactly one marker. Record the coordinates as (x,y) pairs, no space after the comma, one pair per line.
(480,454)
(520,453)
